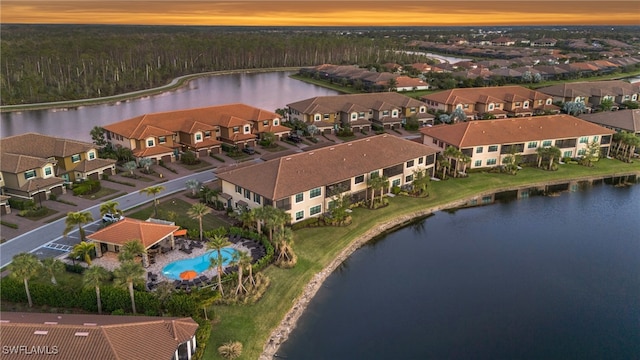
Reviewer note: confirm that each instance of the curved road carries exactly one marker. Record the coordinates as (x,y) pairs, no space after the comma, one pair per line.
(52,232)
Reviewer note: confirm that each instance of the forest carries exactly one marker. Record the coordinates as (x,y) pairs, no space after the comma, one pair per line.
(45,63)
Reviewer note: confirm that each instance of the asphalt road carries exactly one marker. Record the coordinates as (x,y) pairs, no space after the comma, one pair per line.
(46,239)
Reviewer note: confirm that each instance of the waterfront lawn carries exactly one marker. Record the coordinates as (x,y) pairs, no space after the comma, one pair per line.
(317,247)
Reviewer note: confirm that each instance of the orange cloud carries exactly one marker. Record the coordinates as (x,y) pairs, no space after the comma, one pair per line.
(322,13)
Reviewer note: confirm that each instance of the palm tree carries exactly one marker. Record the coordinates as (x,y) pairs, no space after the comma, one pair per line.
(465,160)
(284,245)
(198,211)
(193,185)
(541,153)
(145,163)
(25,266)
(259,214)
(553,153)
(153,191)
(109,207)
(78,218)
(373,182)
(217,243)
(127,274)
(130,166)
(420,182)
(130,250)
(444,165)
(451,153)
(243,260)
(52,267)
(94,277)
(247,217)
(382,185)
(84,250)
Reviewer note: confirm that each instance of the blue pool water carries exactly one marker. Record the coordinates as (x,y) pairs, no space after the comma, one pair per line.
(198,264)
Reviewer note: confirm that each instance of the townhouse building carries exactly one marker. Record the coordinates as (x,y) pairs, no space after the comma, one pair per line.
(593,93)
(498,102)
(488,142)
(34,166)
(164,135)
(622,120)
(304,184)
(359,111)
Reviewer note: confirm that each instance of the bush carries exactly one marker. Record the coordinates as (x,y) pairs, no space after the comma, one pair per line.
(189,158)
(34,212)
(76,269)
(396,190)
(53,197)
(9,224)
(86,187)
(230,350)
(311,222)
(20,204)
(202,337)
(217,157)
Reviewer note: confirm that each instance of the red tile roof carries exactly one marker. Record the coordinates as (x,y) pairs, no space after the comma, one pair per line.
(99,337)
(279,178)
(478,95)
(47,146)
(514,130)
(148,233)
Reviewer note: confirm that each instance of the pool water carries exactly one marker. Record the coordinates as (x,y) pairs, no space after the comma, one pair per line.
(198,264)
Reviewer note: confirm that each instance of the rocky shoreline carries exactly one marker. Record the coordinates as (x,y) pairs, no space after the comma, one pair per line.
(288,323)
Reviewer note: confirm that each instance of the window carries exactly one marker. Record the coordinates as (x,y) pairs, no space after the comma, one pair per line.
(548,101)
(75,158)
(315,193)
(325,116)
(412,110)
(247,129)
(478,163)
(48,171)
(410,163)
(491,161)
(361,114)
(299,197)
(491,106)
(275,122)
(568,153)
(256,198)
(238,189)
(299,215)
(29,174)
(265,123)
(207,134)
(394,113)
(532,145)
(236,129)
(316,117)
(92,155)
(420,160)
(315,210)
(374,173)
(582,152)
(247,194)
(385,113)
(423,109)
(517,103)
(408,178)
(479,150)
(596,138)
(162,139)
(359,179)
(354,116)
(151,143)
(395,183)
(198,137)
(493,148)
(584,140)
(546,143)
(525,105)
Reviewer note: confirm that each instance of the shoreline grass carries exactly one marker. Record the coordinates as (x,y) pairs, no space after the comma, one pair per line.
(318,248)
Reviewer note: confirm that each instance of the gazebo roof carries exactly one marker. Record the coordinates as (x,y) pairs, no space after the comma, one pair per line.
(123,231)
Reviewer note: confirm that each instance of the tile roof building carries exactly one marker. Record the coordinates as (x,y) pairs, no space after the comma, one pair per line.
(162,136)
(359,111)
(302,184)
(499,101)
(488,141)
(592,93)
(621,120)
(34,165)
(100,337)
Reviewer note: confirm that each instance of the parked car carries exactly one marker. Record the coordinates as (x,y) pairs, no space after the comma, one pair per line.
(249,150)
(294,138)
(111,217)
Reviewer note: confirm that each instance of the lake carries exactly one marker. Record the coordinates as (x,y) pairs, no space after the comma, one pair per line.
(539,278)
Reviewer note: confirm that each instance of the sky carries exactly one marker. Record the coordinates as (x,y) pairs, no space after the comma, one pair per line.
(323,13)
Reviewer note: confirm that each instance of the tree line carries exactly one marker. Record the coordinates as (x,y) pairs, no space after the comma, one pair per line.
(44,63)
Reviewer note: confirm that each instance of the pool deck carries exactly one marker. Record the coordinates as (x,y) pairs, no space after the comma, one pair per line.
(110,261)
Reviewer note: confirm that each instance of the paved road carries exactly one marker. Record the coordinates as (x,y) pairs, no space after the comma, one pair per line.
(47,240)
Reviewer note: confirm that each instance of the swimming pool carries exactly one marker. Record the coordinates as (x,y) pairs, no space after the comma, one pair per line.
(198,264)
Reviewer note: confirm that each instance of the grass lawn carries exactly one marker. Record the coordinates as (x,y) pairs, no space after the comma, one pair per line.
(317,247)
(104,191)
(274,148)
(49,212)
(195,167)
(175,209)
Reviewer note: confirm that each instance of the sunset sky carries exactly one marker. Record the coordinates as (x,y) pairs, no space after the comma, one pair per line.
(322,13)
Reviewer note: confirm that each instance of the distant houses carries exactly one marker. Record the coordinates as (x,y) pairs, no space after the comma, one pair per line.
(360,112)
(593,93)
(621,120)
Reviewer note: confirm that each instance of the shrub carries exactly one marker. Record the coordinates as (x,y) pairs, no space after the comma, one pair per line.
(76,269)
(182,305)
(189,158)
(202,337)
(9,224)
(230,350)
(396,190)
(20,204)
(86,187)
(53,197)
(34,212)
(217,157)
(311,222)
